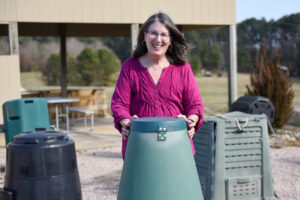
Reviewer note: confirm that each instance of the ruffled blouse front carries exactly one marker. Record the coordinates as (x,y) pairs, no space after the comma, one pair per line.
(176,92)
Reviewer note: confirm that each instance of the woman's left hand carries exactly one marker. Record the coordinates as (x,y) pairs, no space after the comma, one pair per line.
(190,125)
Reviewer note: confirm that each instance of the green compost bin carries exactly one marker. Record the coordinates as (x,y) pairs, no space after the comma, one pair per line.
(25,115)
(233,157)
(159,162)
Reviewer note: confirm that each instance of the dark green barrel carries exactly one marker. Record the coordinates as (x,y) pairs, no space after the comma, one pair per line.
(159,162)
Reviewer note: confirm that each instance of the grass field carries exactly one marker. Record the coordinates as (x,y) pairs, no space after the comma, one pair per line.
(34,81)
(214,90)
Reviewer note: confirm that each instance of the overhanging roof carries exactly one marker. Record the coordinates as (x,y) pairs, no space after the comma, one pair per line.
(81,30)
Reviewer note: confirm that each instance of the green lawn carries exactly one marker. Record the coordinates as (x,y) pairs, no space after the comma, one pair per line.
(213,89)
(34,81)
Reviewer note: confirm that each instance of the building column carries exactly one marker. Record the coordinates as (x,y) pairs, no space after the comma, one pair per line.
(232,73)
(134,34)
(10,79)
(13,38)
(63,60)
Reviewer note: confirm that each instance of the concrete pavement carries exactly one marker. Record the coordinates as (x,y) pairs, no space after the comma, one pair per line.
(104,135)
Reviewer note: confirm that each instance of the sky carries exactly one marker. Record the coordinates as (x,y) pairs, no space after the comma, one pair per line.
(269,9)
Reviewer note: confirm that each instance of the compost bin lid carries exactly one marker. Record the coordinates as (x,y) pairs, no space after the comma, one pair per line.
(155,124)
(41,138)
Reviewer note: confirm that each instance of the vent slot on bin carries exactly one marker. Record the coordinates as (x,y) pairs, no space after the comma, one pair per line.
(247,188)
(23,170)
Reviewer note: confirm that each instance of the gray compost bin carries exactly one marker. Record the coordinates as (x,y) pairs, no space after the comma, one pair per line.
(233,159)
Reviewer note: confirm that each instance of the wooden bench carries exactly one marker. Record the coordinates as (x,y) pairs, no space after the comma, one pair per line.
(85,114)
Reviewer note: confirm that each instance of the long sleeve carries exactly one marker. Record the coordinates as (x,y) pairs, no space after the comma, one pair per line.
(192,102)
(120,103)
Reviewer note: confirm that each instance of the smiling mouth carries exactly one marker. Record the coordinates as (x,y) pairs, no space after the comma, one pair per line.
(157,46)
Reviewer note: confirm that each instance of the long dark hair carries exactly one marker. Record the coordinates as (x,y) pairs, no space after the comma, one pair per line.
(177,51)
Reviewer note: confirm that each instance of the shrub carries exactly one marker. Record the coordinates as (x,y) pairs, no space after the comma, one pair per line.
(244,60)
(52,70)
(97,67)
(88,66)
(269,80)
(196,64)
(110,65)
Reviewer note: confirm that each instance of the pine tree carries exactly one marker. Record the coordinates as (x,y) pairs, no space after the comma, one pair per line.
(269,80)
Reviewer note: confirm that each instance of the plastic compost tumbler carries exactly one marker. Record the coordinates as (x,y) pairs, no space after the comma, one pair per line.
(159,163)
(255,105)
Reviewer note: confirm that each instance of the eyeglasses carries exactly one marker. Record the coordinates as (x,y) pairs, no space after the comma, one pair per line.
(154,34)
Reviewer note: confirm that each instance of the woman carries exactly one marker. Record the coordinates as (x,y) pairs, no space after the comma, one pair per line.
(157,81)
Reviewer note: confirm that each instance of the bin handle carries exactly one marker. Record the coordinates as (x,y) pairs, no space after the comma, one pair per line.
(28,101)
(40,129)
(243,180)
(237,122)
(239,126)
(14,117)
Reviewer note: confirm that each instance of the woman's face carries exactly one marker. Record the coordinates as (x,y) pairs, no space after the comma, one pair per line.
(157,39)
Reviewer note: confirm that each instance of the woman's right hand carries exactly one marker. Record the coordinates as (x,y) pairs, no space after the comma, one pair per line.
(125,123)
(190,123)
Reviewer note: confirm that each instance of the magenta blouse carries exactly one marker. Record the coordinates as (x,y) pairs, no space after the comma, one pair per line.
(175,93)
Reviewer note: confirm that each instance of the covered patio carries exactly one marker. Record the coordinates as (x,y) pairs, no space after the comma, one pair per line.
(101,19)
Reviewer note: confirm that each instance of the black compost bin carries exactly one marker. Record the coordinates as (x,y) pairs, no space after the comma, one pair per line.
(41,166)
(255,105)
